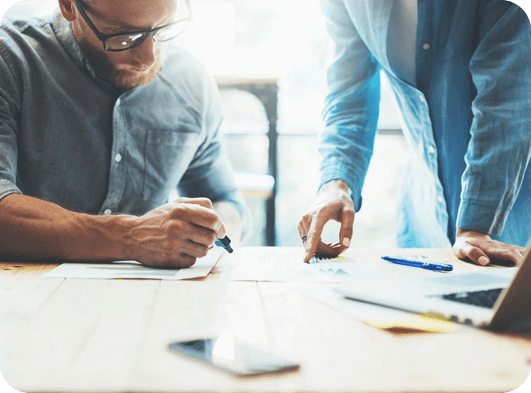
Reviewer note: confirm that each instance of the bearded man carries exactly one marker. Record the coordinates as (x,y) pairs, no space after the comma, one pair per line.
(100,119)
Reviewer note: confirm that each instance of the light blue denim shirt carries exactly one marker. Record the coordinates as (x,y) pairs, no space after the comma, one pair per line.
(467,121)
(70,138)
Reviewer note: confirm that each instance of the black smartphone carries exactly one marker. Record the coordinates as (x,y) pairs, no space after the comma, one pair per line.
(227,353)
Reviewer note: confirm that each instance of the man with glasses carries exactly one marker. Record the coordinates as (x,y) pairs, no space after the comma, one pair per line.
(100,119)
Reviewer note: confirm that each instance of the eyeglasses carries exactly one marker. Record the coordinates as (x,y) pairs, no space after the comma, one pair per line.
(125,40)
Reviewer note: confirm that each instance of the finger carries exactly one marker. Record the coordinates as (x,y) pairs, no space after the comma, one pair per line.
(522,250)
(523,253)
(328,250)
(481,259)
(205,202)
(314,236)
(198,215)
(195,250)
(498,251)
(209,213)
(302,235)
(186,260)
(505,253)
(475,254)
(304,228)
(347,223)
(515,256)
(179,261)
(202,235)
(301,227)
(206,235)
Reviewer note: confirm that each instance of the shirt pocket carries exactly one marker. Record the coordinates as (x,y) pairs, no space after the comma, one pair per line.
(168,154)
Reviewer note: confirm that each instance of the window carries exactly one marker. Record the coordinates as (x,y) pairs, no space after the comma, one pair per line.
(287,40)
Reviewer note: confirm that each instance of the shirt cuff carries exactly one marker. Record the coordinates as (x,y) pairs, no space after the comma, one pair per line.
(339,171)
(481,218)
(7,188)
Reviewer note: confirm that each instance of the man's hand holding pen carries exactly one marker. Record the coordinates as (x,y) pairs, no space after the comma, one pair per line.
(176,234)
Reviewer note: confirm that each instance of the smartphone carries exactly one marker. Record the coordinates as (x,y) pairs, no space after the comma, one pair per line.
(227,353)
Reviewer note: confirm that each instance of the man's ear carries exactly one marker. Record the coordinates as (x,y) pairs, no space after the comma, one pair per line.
(68,10)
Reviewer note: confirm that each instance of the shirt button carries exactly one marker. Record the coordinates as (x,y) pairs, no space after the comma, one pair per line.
(107,212)
(440,199)
(421,98)
(426,46)
(118,157)
(118,101)
(431,149)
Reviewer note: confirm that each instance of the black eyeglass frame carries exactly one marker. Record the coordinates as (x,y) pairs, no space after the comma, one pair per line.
(145,33)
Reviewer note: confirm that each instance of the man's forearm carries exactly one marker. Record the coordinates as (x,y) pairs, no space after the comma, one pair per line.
(33,229)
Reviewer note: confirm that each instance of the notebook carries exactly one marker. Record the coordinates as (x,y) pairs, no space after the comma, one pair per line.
(505,291)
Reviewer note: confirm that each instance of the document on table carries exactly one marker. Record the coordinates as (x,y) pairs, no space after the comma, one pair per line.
(290,268)
(133,269)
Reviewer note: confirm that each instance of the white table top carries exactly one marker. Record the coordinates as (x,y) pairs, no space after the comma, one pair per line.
(74,335)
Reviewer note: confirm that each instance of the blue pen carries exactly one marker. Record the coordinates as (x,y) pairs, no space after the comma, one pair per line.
(225,243)
(437,267)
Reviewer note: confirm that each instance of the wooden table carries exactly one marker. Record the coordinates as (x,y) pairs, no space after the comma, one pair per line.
(74,335)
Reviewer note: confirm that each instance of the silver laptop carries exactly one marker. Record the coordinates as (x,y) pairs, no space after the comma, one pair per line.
(495,298)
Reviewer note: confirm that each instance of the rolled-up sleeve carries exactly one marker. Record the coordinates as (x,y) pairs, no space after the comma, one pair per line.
(499,150)
(351,105)
(9,104)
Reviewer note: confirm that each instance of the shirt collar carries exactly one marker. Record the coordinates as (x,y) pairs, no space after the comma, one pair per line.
(65,36)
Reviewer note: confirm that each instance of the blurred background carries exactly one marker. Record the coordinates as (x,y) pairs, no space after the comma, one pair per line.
(269,58)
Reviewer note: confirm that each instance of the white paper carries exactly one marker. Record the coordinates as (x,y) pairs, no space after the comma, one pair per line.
(289,268)
(352,308)
(133,269)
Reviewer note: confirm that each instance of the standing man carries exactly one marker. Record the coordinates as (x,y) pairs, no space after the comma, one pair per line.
(461,73)
(100,119)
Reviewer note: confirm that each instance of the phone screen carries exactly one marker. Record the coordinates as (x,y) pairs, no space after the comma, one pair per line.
(226,353)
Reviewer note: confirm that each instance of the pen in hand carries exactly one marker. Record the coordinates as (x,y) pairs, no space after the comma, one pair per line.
(438,267)
(225,243)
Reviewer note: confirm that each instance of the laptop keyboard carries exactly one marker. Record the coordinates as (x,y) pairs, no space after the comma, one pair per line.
(485,299)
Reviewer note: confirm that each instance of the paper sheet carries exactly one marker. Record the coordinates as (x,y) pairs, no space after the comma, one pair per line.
(133,269)
(289,268)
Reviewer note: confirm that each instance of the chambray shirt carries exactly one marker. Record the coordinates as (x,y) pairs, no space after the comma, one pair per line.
(467,120)
(70,138)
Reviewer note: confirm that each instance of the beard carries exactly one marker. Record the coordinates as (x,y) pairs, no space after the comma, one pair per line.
(123,76)
(127,77)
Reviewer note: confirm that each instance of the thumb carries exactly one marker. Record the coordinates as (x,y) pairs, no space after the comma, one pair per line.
(472,252)
(347,223)
(205,202)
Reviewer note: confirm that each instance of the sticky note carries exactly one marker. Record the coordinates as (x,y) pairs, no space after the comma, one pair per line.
(415,324)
